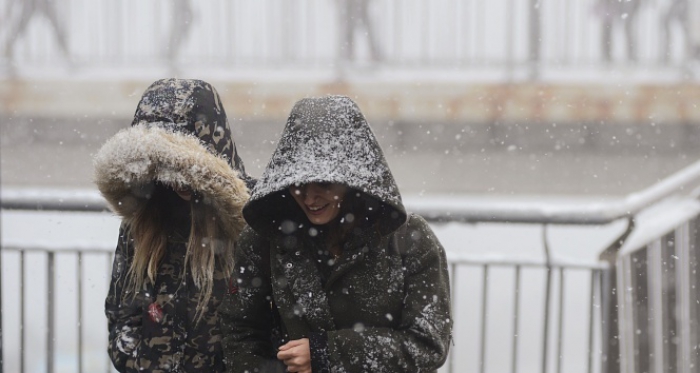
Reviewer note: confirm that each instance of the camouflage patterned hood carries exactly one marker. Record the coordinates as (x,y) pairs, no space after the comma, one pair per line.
(180,136)
(325,140)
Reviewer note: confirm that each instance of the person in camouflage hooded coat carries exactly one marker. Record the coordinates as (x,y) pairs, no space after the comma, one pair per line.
(177,182)
(367,291)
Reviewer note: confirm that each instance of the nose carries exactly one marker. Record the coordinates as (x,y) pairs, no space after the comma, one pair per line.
(311,193)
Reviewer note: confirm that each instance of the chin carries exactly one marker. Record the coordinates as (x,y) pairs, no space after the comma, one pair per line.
(319,220)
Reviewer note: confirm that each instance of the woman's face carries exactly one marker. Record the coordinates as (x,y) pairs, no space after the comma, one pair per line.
(319,201)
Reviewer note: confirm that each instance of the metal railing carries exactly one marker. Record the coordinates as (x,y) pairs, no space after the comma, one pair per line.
(51,338)
(552,320)
(547,273)
(519,38)
(636,276)
(659,278)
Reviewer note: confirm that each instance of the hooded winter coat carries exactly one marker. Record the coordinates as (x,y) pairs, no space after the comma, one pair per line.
(383,306)
(180,136)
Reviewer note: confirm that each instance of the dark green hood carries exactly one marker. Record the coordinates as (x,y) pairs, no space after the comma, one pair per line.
(325,140)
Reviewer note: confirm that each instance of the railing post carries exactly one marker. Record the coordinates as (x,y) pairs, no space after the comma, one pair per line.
(594,273)
(484,316)
(610,357)
(694,274)
(547,289)
(693,294)
(453,286)
(516,322)
(668,314)
(22,308)
(2,340)
(50,343)
(80,311)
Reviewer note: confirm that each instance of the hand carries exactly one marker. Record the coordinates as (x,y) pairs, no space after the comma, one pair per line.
(296,355)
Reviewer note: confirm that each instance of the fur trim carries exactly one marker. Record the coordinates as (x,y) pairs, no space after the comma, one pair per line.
(129,162)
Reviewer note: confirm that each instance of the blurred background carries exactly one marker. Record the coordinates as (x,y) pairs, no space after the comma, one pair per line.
(520,116)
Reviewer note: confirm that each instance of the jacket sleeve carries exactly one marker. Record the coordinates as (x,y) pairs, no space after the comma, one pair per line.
(245,314)
(124,314)
(421,341)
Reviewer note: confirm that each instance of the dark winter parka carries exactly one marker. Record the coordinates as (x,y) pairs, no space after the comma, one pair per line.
(180,136)
(384,305)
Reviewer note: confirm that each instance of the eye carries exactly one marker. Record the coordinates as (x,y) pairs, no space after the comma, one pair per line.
(295,190)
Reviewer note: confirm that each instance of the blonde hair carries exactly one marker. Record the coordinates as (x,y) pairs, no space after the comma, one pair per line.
(207,247)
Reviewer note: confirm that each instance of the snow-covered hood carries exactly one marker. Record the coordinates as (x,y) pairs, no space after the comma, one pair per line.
(180,136)
(325,140)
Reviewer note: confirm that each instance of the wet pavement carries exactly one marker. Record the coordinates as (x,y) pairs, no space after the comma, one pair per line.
(425,159)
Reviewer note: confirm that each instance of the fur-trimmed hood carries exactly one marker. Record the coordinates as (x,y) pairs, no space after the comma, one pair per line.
(180,136)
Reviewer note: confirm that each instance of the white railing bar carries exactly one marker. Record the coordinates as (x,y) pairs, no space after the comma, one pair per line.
(526,263)
(52,199)
(110,265)
(80,311)
(597,213)
(560,322)
(608,305)
(626,313)
(545,318)
(683,300)
(547,298)
(591,297)
(516,321)
(453,289)
(484,319)
(452,259)
(656,304)
(22,321)
(59,248)
(50,314)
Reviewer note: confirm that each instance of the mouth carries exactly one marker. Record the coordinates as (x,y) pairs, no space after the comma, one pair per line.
(186,195)
(316,210)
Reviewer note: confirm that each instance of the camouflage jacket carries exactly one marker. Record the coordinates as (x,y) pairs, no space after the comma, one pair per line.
(155,330)
(180,136)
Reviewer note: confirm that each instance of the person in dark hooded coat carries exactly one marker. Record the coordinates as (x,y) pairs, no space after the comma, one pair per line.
(177,182)
(332,274)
